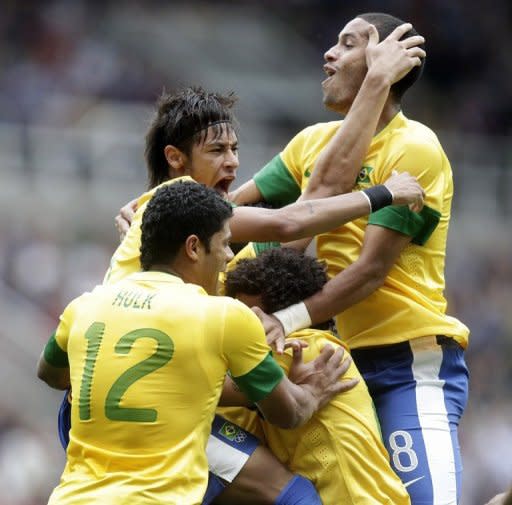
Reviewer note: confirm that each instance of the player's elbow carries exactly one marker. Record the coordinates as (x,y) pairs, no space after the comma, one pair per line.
(374,273)
(324,187)
(55,378)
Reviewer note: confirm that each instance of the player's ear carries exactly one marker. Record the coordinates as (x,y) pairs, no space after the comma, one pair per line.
(175,158)
(193,247)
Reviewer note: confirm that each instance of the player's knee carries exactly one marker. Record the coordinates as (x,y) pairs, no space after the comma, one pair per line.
(299,491)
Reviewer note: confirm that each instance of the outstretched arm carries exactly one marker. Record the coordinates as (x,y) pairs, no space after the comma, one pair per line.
(311,217)
(381,249)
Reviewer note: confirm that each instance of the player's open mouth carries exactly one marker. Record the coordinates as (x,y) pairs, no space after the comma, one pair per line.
(223,185)
(329,71)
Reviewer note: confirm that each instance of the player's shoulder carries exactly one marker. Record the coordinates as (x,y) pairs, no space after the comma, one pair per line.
(233,311)
(79,302)
(324,128)
(417,140)
(419,134)
(316,337)
(143,199)
(230,304)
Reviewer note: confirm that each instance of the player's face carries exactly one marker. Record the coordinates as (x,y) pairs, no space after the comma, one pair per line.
(214,160)
(215,261)
(346,66)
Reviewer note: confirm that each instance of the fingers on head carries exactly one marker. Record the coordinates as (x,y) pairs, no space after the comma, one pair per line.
(400,31)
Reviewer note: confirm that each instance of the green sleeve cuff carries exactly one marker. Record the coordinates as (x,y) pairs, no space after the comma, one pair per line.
(261,247)
(261,380)
(418,225)
(276,183)
(54,355)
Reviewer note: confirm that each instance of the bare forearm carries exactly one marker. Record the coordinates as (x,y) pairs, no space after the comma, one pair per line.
(298,220)
(56,378)
(56,381)
(321,215)
(340,161)
(347,288)
(296,409)
(246,194)
(232,396)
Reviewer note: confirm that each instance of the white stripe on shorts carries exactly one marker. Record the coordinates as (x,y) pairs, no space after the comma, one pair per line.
(223,460)
(433,418)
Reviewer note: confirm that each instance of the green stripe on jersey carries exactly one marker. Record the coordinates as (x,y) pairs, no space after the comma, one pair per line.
(261,380)
(418,225)
(54,355)
(276,184)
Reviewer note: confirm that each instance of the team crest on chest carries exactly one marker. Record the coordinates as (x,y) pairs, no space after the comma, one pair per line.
(363,178)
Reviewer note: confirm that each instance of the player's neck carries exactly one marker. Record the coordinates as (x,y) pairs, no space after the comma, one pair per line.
(390,110)
(166,269)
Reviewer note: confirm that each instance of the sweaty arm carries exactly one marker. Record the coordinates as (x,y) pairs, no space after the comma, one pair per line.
(298,220)
(381,248)
(308,218)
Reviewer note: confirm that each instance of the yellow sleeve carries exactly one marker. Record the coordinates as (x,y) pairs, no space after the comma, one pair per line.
(426,162)
(248,356)
(126,259)
(280,180)
(56,349)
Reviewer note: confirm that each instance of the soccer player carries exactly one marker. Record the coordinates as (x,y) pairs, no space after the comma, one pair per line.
(147,358)
(387,271)
(194,134)
(340,448)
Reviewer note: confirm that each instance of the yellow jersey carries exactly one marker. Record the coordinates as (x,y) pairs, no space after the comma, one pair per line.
(126,258)
(147,358)
(340,448)
(411,302)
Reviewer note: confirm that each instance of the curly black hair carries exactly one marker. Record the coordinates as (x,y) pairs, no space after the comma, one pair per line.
(182,119)
(282,276)
(175,212)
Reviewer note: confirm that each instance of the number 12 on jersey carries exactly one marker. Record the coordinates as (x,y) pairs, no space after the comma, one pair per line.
(113,411)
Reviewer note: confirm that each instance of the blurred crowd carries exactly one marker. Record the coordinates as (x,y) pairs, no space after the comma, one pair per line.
(62,48)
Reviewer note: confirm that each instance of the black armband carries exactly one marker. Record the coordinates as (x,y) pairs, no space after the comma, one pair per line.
(379,197)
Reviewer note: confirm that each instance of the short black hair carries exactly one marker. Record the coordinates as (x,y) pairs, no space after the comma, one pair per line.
(175,212)
(182,119)
(282,276)
(385,24)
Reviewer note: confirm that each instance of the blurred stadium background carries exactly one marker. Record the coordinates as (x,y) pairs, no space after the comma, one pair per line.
(77,83)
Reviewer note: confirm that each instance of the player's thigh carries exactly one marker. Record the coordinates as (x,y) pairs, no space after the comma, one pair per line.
(420,392)
(241,469)
(259,482)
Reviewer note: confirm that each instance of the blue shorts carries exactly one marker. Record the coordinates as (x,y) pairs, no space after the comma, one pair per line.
(64,420)
(228,449)
(420,391)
